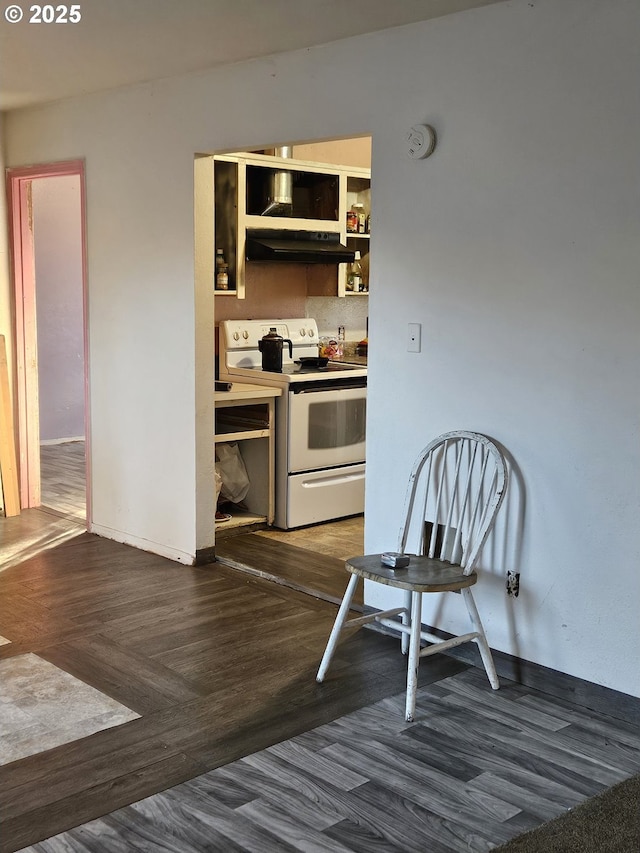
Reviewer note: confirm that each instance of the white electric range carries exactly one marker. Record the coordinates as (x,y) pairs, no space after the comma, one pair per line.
(320,420)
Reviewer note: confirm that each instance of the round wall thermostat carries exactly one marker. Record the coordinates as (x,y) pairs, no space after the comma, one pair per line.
(421,141)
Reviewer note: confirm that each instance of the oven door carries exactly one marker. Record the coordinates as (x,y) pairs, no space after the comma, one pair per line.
(326,425)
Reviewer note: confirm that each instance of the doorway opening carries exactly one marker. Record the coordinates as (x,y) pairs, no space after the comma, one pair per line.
(47,226)
(310,558)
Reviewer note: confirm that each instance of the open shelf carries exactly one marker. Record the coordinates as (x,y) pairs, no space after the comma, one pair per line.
(245,415)
(241,435)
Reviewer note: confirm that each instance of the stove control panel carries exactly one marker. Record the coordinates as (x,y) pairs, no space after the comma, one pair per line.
(245,334)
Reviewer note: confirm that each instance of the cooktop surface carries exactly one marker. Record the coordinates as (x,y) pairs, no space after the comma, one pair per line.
(296,368)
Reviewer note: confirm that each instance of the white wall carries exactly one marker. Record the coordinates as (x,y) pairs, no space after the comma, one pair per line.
(57,231)
(516,246)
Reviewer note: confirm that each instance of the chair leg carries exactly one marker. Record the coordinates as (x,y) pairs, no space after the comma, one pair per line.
(483,645)
(337,627)
(406,620)
(414,656)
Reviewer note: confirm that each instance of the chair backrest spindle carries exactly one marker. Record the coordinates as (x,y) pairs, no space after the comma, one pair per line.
(467,488)
(441,486)
(459,453)
(461,491)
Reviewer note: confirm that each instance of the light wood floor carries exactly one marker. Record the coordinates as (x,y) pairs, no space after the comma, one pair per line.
(62,514)
(62,479)
(338,539)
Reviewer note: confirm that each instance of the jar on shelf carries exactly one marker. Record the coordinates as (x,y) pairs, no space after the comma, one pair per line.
(222,271)
(360,218)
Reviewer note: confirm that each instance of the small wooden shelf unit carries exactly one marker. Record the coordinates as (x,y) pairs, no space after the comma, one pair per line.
(246,415)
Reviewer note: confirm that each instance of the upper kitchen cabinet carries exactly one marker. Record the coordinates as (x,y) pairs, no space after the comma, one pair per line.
(291,197)
(281,201)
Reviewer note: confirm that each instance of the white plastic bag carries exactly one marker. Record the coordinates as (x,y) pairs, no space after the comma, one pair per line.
(230,466)
(218,482)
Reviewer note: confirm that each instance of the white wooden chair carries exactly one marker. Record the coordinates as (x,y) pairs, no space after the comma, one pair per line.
(455,490)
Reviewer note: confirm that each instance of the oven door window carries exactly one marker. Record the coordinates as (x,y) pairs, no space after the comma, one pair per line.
(336,423)
(327,428)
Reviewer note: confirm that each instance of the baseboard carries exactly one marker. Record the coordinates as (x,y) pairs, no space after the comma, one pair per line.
(605,700)
(49,441)
(143,544)
(583,693)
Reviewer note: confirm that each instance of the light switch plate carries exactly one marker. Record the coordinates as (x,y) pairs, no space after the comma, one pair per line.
(415,334)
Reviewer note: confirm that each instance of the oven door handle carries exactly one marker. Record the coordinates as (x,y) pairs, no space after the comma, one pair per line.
(322,387)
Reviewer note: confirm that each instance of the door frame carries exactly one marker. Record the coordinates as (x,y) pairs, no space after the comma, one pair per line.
(18,181)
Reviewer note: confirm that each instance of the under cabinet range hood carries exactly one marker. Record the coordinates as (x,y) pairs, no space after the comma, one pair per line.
(300,247)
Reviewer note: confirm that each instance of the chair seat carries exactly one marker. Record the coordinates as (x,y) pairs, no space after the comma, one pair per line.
(423,574)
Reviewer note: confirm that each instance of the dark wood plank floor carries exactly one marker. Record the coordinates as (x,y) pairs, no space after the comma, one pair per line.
(218,664)
(313,572)
(221,666)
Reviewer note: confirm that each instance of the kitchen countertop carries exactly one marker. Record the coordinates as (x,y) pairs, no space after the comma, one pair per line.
(350,355)
(242,391)
(360,360)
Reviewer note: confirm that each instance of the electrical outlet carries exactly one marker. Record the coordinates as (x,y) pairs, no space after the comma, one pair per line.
(513,583)
(413,341)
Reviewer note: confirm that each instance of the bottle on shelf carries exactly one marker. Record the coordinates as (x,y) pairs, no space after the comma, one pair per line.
(354,275)
(358,220)
(222,271)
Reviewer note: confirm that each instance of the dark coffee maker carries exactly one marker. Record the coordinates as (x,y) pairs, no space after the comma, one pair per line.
(271,348)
